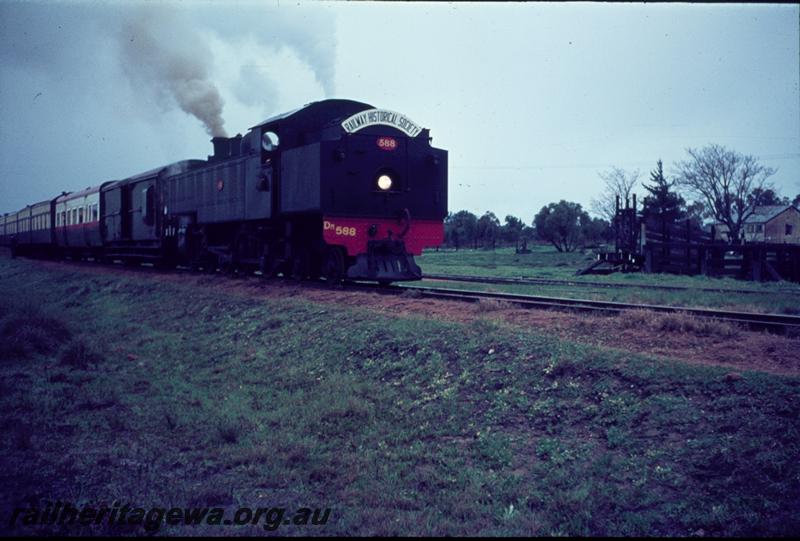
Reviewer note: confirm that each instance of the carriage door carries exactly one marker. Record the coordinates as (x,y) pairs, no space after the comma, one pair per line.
(126,211)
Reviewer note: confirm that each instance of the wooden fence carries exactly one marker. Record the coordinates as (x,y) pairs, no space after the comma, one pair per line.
(684,248)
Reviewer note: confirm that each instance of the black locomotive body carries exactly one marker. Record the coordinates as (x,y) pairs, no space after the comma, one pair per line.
(336,188)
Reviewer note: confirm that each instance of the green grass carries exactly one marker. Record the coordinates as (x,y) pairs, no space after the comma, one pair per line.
(166,394)
(546,262)
(542,262)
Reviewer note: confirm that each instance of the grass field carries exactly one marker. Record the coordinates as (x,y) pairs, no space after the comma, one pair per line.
(546,262)
(159,393)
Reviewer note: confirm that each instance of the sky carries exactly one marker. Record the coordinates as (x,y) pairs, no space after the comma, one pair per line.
(532,100)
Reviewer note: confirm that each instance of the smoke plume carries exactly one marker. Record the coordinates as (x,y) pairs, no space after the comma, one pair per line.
(161,54)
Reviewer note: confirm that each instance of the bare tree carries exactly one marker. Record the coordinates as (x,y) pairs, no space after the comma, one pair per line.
(618,183)
(726,182)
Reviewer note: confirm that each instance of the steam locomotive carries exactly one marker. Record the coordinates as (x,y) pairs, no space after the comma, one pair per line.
(337,188)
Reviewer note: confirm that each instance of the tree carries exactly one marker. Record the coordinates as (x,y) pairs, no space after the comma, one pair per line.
(696,211)
(662,205)
(796,201)
(597,231)
(562,224)
(461,228)
(511,232)
(767,197)
(528,233)
(725,181)
(488,229)
(618,183)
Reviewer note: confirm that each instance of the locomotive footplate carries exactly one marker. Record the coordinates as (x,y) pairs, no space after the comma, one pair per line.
(385,260)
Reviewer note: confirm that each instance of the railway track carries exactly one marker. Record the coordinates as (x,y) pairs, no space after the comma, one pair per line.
(574,283)
(779,323)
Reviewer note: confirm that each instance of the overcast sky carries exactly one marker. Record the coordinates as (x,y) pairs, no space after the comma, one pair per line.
(532,100)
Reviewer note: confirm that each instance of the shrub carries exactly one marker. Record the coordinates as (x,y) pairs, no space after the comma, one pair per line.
(411,293)
(491,305)
(79,355)
(28,332)
(677,322)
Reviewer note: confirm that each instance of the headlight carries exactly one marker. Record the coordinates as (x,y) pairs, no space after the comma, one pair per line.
(385,182)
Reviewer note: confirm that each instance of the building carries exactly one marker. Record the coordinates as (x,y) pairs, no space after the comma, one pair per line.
(775,224)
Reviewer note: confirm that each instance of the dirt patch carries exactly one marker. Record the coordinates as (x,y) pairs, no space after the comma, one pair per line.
(688,341)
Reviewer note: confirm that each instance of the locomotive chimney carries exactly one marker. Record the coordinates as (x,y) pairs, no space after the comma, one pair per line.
(222,148)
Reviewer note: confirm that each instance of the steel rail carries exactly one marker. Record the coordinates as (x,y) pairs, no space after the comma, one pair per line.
(772,322)
(522,280)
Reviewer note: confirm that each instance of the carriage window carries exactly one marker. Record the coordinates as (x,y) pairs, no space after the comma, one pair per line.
(80,215)
(94,212)
(148,205)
